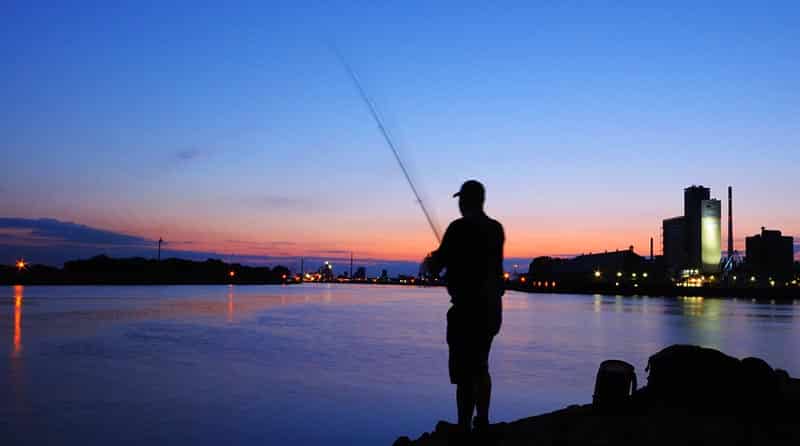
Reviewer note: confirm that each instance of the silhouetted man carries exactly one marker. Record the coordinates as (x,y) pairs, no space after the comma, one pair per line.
(472,253)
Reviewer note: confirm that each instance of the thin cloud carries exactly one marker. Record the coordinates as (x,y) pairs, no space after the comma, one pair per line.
(335,252)
(275,201)
(188,155)
(281,202)
(54,232)
(261,245)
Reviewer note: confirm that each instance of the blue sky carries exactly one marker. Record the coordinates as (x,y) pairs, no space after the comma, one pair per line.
(207,123)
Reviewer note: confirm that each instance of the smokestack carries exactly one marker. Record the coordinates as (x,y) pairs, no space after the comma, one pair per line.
(730,221)
(351,265)
(651,249)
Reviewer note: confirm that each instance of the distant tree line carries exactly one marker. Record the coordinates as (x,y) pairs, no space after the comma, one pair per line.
(138,270)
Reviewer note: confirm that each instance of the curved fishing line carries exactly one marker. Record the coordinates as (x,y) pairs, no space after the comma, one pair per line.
(387,137)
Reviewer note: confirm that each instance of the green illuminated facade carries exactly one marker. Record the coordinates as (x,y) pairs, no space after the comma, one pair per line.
(711,235)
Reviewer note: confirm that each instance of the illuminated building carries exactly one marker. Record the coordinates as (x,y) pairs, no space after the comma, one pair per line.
(360,274)
(590,268)
(711,235)
(693,198)
(770,253)
(326,272)
(694,241)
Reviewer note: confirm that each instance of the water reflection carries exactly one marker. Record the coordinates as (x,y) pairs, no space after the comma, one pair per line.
(230,303)
(693,305)
(18,292)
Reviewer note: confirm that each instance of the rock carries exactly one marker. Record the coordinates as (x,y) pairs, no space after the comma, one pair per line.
(693,396)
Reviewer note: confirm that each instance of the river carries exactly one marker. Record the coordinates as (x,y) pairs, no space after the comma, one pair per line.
(321,364)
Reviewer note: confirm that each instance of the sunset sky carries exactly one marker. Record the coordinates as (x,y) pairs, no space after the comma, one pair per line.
(232,128)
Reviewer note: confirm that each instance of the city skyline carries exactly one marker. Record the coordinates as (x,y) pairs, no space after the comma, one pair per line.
(236,131)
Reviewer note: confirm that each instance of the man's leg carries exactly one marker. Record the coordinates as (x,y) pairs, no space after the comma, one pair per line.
(465,401)
(482,386)
(483,395)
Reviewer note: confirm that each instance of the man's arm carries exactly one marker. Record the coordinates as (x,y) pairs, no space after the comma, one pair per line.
(436,261)
(502,283)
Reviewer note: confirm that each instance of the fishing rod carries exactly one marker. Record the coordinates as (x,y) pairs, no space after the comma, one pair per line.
(387,137)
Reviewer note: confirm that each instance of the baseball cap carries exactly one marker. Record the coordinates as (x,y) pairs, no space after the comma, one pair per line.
(471,189)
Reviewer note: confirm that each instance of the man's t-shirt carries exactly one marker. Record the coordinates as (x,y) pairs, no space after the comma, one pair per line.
(472,252)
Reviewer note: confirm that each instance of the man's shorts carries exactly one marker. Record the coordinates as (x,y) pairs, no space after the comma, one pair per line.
(469,337)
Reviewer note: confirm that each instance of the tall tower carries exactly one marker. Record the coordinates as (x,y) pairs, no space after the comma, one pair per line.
(730,222)
(693,198)
(711,235)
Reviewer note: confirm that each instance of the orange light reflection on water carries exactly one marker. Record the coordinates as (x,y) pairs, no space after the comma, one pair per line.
(18,292)
(230,303)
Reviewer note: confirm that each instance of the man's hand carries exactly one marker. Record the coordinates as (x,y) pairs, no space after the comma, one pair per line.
(430,267)
(426,267)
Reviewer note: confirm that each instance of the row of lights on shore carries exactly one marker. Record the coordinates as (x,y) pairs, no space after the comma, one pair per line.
(21,265)
(598,274)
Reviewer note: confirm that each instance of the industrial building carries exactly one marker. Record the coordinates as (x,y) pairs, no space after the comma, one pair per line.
(710,235)
(675,242)
(608,267)
(694,241)
(770,253)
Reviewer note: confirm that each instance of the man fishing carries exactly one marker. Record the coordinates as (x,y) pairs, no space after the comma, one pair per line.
(472,253)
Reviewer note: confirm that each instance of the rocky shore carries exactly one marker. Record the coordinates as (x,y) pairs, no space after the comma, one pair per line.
(693,396)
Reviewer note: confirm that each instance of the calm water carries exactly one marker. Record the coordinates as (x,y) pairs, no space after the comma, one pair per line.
(320,364)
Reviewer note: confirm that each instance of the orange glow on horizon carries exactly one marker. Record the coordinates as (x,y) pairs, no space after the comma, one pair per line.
(406,240)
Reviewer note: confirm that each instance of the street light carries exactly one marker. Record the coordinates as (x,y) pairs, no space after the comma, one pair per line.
(597,274)
(21,264)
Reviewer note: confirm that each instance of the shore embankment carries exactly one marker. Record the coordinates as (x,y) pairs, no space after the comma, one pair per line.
(693,396)
(758,293)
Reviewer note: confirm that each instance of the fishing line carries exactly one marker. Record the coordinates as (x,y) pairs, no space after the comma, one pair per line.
(387,137)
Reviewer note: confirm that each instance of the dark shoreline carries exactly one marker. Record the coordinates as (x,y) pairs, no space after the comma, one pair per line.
(104,270)
(151,283)
(782,295)
(758,294)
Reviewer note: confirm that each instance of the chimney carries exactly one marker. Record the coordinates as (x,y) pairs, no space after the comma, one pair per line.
(651,249)
(730,221)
